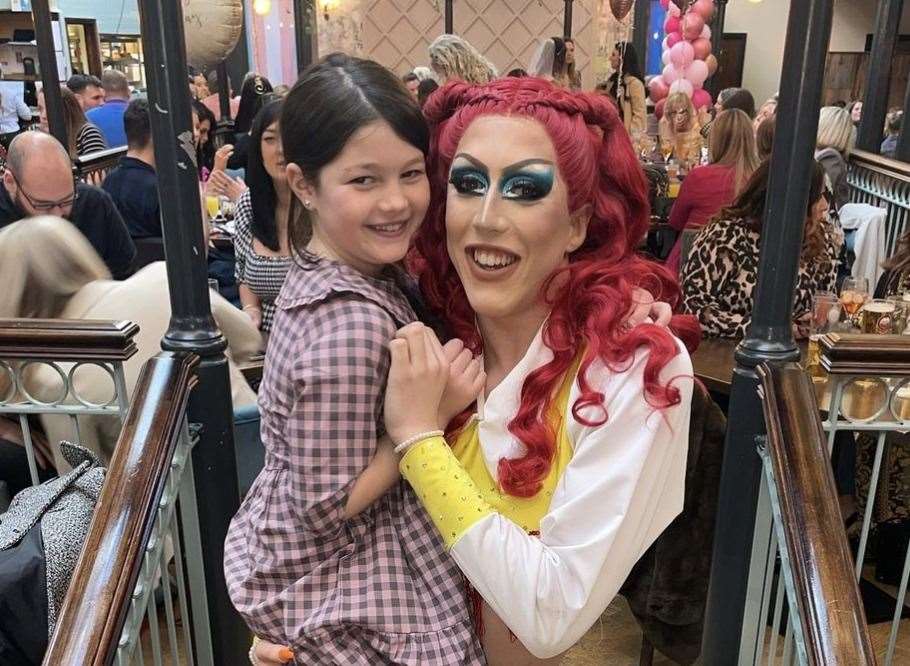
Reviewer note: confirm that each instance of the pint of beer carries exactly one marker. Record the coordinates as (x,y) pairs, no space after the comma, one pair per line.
(877,317)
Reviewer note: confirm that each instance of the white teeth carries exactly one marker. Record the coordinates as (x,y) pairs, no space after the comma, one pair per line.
(489,259)
(390,228)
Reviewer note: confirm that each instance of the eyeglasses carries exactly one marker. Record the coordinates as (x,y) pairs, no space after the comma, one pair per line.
(46,206)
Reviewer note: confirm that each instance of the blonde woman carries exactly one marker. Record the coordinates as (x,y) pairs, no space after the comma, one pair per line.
(835,140)
(680,131)
(733,157)
(451,57)
(50,271)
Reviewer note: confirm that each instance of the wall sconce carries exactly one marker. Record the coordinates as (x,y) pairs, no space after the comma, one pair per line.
(328,6)
(262,7)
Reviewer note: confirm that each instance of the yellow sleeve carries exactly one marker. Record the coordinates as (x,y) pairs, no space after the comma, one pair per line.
(445,489)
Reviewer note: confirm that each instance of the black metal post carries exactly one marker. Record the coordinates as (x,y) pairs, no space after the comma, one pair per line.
(305,33)
(903,143)
(567,19)
(769,337)
(50,77)
(449,17)
(641,22)
(224,132)
(875,102)
(192,327)
(717,40)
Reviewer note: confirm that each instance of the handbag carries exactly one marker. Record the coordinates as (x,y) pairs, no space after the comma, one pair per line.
(41,538)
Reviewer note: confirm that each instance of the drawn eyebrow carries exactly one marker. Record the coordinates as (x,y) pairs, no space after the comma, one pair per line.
(473,160)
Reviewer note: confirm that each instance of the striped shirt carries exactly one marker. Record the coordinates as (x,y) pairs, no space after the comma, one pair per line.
(89,140)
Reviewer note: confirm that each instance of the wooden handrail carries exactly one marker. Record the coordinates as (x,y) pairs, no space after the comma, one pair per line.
(67,339)
(883,165)
(92,617)
(858,354)
(830,607)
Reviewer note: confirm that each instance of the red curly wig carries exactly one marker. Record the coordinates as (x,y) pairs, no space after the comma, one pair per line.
(591,296)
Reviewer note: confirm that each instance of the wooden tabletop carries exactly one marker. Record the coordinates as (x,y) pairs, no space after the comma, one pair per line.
(714,361)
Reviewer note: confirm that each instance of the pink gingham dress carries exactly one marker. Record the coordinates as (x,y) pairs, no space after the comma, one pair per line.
(376,589)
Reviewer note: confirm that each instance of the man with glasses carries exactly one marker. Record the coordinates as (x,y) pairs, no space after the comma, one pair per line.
(39,181)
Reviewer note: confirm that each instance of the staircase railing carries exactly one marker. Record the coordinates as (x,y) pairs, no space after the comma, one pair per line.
(805,559)
(138,586)
(885,183)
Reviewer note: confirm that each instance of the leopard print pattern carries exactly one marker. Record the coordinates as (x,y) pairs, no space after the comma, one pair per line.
(719,275)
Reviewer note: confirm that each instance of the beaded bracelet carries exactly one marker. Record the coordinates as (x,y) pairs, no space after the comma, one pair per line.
(411,441)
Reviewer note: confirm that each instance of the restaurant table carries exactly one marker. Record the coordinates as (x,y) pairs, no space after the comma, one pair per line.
(715,360)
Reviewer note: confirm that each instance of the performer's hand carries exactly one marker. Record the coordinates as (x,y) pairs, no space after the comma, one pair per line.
(269,654)
(466,380)
(222,155)
(644,307)
(417,379)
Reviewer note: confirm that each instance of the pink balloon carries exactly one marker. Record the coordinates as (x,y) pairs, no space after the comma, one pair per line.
(665,3)
(692,25)
(673,10)
(706,33)
(704,8)
(697,73)
(702,48)
(658,88)
(682,54)
(665,57)
(659,108)
(682,86)
(672,24)
(673,39)
(701,99)
(672,73)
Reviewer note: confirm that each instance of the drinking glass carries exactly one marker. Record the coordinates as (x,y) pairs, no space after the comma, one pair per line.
(901,314)
(825,314)
(853,294)
(877,317)
(212,206)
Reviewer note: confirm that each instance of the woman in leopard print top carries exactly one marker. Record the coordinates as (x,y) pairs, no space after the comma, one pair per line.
(719,275)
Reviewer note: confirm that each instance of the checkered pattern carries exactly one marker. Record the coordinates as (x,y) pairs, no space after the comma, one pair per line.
(263,274)
(375,589)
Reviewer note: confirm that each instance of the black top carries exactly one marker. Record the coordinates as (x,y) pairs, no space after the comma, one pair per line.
(133,186)
(95,215)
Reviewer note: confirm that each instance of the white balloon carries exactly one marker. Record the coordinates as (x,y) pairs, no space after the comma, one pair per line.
(684,86)
(706,33)
(665,57)
(212,28)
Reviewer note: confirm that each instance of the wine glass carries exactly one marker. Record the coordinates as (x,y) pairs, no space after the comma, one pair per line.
(853,294)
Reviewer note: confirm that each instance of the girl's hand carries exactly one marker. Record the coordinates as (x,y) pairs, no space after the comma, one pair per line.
(222,155)
(466,380)
(644,307)
(269,654)
(417,379)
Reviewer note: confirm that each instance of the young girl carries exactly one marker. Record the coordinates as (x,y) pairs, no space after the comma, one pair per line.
(320,557)
(575,459)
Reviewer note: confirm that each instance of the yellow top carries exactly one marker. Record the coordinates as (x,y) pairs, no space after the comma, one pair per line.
(523,511)
(457,489)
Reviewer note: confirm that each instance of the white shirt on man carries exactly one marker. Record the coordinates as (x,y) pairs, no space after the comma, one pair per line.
(12,106)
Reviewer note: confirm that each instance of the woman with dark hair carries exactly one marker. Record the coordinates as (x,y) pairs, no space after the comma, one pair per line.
(727,100)
(261,221)
(424,89)
(549,61)
(205,137)
(627,87)
(719,276)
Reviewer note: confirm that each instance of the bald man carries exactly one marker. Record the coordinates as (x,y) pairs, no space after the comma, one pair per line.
(39,181)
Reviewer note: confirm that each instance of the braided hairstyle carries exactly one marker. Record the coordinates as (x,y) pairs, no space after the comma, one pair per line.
(589,297)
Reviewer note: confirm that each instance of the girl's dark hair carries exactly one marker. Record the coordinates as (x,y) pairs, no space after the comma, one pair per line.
(628,67)
(559,58)
(262,188)
(205,152)
(251,94)
(331,101)
(737,98)
(424,89)
(749,205)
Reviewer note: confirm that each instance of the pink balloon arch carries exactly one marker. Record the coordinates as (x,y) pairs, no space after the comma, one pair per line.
(687,55)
